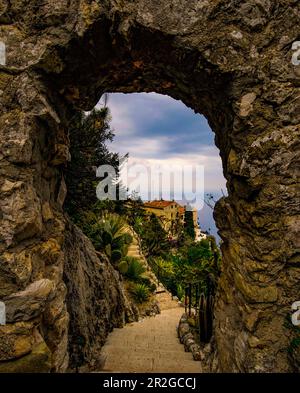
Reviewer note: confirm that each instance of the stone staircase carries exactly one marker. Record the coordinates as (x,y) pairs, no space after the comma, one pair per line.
(149,346)
(165,300)
(135,250)
(163,297)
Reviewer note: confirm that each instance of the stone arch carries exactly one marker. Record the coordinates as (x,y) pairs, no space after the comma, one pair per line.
(229,60)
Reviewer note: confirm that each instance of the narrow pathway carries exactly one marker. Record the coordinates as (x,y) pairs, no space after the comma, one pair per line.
(151,345)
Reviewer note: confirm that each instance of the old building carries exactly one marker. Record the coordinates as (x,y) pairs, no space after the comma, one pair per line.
(169,212)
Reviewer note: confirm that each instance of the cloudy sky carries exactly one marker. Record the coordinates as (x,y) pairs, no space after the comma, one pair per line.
(157,130)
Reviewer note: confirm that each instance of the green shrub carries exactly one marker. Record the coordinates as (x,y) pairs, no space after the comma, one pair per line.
(152,234)
(140,292)
(135,269)
(189,223)
(152,287)
(124,249)
(106,238)
(123,267)
(90,135)
(108,233)
(127,238)
(116,255)
(145,280)
(180,291)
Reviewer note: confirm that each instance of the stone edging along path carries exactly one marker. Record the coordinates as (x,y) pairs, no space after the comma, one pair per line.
(186,337)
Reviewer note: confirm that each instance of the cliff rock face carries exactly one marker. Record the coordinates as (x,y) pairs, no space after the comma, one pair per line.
(227,59)
(95,299)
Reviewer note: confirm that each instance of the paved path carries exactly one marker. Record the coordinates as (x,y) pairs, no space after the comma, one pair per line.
(150,345)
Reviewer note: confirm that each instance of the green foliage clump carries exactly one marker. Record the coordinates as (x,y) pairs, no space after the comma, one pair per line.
(153,236)
(193,262)
(123,267)
(106,238)
(152,287)
(163,269)
(114,238)
(116,255)
(107,232)
(140,292)
(89,135)
(135,269)
(189,224)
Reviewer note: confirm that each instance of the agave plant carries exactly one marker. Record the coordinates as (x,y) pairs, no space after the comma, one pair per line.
(114,238)
(140,292)
(133,269)
(113,225)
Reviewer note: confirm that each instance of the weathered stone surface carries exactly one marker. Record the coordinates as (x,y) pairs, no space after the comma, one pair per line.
(247,104)
(21,214)
(27,304)
(47,212)
(15,271)
(255,293)
(95,298)
(62,192)
(16,142)
(57,337)
(15,340)
(37,361)
(49,251)
(229,60)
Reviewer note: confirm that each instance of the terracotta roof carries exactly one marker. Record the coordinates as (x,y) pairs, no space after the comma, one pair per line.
(160,204)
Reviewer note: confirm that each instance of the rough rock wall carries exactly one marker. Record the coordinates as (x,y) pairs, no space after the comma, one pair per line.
(231,61)
(32,232)
(96,299)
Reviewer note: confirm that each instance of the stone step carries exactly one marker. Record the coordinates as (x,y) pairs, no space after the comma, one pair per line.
(110,350)
(147,324)
(168,300)
(148,358)
(167,307)
(133,247)
(135,254)
(160,297)
(153,346)
(145,363)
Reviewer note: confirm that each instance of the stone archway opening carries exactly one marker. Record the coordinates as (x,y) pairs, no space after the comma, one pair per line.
(72,54)
(140,121)
(145,60)
(157,131)
(143,73)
